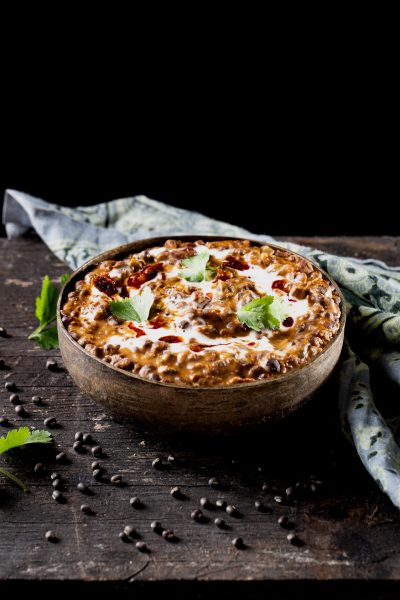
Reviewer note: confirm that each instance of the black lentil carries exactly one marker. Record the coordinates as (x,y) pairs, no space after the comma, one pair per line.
(130,531)
(220,523)
(293,539)
(171,459)
(95,465)
(3,421)
(2,363)
(258,505)
(313,487)
(169,535)
(197,515)
(123,537)
(77,446)
(56,483)
(61,457)
(220,504)
(85,508)
(97,450)
(54,476)
(266,487)
(37,400)
(135,502)
(51,537)
(51,364)
(157,463)
(10,386)
(142,547)
(82,487)
(283,521)
(38,468)
(214,482)
(3,332)
(86,438)
(238,543)
(14,398)
(116,479)
(278,499)
(176,492)
(50,422)
(232,510)
(57,496)
(205,503)
(289,492)
(156,526)
(20,410)
(97,473)
(78,436)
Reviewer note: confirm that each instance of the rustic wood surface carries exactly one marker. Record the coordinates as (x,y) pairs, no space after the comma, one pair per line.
(350,531)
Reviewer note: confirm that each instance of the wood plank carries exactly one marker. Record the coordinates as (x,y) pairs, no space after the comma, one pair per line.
(350,530)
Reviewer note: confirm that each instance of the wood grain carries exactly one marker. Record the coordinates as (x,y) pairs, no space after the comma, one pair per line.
(351,532)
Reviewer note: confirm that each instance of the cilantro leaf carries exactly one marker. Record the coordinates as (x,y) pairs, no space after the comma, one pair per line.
(47,338)
(196,268)
(267,312)
(22,436)
(46,303)
(136,308)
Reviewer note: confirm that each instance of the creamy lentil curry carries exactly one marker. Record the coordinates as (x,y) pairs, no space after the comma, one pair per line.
(193,334)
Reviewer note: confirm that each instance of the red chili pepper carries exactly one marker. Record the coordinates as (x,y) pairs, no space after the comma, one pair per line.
(139,332)
(291,300)
(288,322)
(105,284)
(144,275)
(157,322)
(171,339)
(280,284)
(223,275)
(251,344)
(235,263)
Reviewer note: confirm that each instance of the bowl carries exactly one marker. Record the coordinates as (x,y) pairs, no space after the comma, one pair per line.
(185,408)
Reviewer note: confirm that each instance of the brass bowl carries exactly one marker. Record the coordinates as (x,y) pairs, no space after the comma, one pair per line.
(186,408)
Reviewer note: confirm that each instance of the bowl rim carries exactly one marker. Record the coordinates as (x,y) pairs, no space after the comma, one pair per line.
(124,249)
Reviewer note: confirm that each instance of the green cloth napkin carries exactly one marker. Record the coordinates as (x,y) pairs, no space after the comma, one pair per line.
(371,290)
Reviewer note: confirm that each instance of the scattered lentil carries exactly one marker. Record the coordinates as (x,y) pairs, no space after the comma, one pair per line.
(130,531)
(169,535)
(176,492)
(97,473)
(61,457)
(56,483)
(38,468)
(14,398)
(197,515)
(82,487)
(86,438)
(95,465)
(85,508)
(116,479)
(220,523)
(20,410)
(156,526)
(78,436)
(51,364)
(3,421)
(157,463)
(232,510)
(77,446)
(142,547)
(57,496)
(214,482)
(221,504)
(135,502)
(51,537)
(278,499)
(283,521)
(97,450)
(37,400)
(10,386)
(205,503)
(50,422)
(238,543)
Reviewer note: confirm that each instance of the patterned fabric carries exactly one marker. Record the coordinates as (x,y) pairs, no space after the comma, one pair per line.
(371,290)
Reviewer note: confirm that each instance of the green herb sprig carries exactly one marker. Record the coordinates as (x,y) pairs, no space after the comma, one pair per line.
(46,311)
(21,437)
(136,308)
(267,312)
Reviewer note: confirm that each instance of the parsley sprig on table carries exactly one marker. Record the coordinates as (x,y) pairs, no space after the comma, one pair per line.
(267,312)
(21,437)
(136,308)
(197,268)
(46,311)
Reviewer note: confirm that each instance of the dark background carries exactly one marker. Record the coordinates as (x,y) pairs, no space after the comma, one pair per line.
(302,141)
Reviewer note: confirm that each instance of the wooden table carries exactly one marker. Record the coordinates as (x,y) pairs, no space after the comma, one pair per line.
(351,532)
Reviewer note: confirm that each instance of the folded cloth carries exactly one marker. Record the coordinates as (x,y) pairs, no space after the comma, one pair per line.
(371,290)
